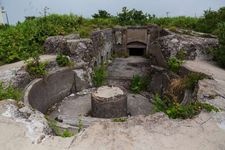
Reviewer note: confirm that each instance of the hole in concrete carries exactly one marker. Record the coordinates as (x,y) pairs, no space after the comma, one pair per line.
(136,51)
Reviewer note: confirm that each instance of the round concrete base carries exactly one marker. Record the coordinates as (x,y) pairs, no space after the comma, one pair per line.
(109,102)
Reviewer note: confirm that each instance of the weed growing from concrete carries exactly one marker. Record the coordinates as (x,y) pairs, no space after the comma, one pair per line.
(80,125)
(119,119)
(63,60)
(175,110)
(191,80)
(174,64)
(57,130)
(36,68)
(9,92)
(139,83)
(99,76)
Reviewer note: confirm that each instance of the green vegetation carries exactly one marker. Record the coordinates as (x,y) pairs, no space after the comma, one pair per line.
(139,83)
(25,39)
(63,60)
(36,68)
(122,119)
(181,55)
(102,14)
(191,80)
(99,75)
(80,125)
(57,130)
(176,110)
(9,92)
(219,53)
(174,64)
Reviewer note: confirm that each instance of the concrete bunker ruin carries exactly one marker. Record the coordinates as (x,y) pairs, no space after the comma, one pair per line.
(68,86)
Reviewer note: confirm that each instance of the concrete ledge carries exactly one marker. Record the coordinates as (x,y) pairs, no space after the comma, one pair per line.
(40,94)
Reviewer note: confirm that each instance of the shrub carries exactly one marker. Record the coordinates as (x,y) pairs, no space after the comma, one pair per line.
(219,53)
(57,130)
(9,92)
(174,64)
(181,54)
(36,69)
(99,76)
(191,80)
(139,83)
(102,14)
(176,110)
(63,60)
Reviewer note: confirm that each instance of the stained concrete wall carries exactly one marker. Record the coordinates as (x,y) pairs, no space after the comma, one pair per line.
(102,44)
(137,35)
(43,93)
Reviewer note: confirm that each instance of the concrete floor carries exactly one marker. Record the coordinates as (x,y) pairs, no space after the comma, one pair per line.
(76,106)
(126,68)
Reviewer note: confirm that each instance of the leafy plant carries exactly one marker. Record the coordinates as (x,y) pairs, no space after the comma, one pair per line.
(67,133)
(80,125)
(176,110)
(36,68)
(63,60)
(174,64)
(139,83)
(191,80)
(9,92)
(119,119)
(219,53)
(57,130)
(181,55)
(99,75)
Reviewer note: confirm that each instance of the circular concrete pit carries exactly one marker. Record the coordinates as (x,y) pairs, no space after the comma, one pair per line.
(54,95)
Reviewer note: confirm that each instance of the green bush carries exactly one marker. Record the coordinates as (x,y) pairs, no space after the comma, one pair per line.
(176,110)
(210,21)
(63,60)
(219,53)
(57,130)
(174,64)
(191,80)
(9,92)
(99,76)
(139,83)
(181,54)
(36,68)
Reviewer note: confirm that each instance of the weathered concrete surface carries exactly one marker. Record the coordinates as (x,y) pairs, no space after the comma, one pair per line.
(109,102)
(42,93)
(156,132)
(34,121)
(211,91)
(193,46)
(139,105)
(82,79)
(73,108)
(15,73)
(126,68)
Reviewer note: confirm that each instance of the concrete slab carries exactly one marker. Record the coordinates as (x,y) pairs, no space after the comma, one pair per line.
(126,68)
(76,107)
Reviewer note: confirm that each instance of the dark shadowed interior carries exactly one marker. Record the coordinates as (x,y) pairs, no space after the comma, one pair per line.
(136,51)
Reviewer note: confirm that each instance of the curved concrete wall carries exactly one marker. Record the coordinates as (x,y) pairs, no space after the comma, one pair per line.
(43,93)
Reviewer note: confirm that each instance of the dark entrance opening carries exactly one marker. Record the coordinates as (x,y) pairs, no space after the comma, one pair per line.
(136,51)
